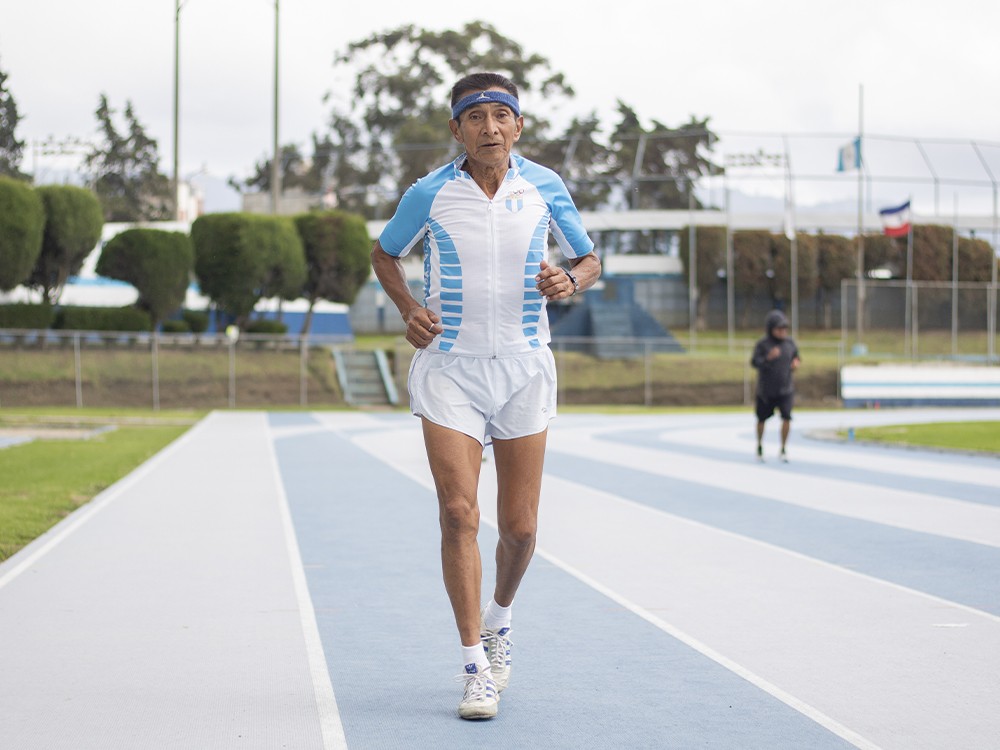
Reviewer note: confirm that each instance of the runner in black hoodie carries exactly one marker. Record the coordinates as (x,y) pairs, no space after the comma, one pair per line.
(775,356)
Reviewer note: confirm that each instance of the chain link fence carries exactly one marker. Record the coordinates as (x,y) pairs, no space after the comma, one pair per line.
(188,371)
(146,370)
(922,319)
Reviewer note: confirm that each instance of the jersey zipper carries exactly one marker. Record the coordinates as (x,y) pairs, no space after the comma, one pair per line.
(492,249)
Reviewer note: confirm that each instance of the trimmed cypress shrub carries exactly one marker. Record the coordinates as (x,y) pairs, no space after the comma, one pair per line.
(157,263)
(22,222)
(73,223)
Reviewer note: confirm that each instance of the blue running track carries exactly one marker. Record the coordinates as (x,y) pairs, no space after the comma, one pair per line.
(273,580)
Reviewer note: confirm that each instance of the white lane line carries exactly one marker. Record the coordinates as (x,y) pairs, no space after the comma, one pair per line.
(911,465)
(326,702)
(770,688)
(63,530)
(852,498)
(420,474)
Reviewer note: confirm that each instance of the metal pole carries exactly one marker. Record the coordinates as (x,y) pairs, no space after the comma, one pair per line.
(992,327)
(908,324)
(792,236)
(843,311)
(692,271)
(232,374)
(954,282)
(276,161)
(156,371)
(648,390)
(730,288)
(991,297)
(303,380)
(177,54)
(79,373)
(861,230)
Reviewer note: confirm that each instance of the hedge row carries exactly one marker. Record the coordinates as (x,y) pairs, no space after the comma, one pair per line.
(26,316)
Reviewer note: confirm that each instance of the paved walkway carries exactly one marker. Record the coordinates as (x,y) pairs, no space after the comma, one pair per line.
(272,581)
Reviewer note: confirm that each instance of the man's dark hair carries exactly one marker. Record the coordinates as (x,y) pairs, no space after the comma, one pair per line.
(481,82)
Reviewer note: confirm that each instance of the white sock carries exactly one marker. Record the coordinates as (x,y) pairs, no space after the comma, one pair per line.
(496,617)
(475,655)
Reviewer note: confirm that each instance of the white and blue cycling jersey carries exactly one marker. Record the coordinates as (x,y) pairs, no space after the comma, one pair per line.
(481,255)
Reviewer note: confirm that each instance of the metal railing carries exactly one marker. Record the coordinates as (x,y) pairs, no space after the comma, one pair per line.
(141,369)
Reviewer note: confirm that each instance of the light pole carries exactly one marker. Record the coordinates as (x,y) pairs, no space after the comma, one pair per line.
(177,55)
(276,161)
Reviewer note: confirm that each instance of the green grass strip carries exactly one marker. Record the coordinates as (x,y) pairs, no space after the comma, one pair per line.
(46,480)
(966,436)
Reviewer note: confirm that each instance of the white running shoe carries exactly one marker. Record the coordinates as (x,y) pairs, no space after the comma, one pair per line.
(481,698)
(497,645)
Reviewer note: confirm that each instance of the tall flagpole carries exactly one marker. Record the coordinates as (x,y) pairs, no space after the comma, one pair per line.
(859,314)
(954,281)
(908,315)
(792,236)
(730,272)
(276,160)
(177,54)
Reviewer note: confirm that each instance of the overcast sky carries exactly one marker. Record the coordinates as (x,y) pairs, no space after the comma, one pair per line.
(930,70)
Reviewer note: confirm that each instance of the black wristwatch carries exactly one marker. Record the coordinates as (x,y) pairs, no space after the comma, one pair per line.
(576,284)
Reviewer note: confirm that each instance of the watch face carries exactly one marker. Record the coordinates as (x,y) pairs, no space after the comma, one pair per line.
(576,284)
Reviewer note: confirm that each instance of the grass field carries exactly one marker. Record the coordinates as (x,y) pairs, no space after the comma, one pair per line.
(47,479)
(964,436)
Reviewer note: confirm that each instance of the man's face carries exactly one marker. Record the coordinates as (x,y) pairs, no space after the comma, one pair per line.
(780,332)
(488,131)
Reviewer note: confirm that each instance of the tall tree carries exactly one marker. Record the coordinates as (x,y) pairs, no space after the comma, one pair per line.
(402,78)
(125,169)
(11,149)
(660,164)
(241,258)
(584,163)
(309,174)
(337,249)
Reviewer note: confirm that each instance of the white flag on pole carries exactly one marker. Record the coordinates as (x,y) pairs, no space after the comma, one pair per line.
(849,156)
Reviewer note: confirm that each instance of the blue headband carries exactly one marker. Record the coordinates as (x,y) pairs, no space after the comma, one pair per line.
(485,96)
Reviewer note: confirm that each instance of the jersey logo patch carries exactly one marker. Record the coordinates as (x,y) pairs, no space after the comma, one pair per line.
(514,201)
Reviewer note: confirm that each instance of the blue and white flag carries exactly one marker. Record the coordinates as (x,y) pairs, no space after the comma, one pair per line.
(849,156)
(896,220)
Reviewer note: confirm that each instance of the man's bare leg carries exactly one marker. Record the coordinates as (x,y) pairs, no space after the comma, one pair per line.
(455,460)
(519,465)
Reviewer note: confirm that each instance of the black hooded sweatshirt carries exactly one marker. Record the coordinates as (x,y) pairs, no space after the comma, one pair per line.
(775,376)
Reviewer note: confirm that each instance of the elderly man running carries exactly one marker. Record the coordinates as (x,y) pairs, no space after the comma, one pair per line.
(483,370)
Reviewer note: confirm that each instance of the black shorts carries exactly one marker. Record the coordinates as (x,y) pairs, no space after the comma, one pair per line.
(766,406)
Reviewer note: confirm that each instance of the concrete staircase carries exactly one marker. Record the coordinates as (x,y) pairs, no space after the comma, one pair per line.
(365,377)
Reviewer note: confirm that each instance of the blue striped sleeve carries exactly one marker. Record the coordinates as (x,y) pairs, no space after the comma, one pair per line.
(409,224)
(566,224)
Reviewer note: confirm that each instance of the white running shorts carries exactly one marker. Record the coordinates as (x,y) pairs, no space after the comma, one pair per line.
(502,398)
